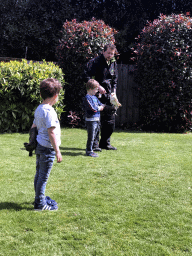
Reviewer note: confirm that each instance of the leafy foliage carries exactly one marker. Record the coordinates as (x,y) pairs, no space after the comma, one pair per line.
(80,42)
(33,24)
(20,94)
(36,24)
(164,73)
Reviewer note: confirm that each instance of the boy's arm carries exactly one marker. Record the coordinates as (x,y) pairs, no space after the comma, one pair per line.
(89,104)
(54,143)
(102,89)
(33,125)
(90,71)
(101,105)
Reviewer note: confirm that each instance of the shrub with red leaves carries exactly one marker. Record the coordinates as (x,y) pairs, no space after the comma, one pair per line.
(164,73)
(79,43)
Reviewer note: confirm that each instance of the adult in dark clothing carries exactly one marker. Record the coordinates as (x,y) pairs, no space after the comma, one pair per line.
(103,69)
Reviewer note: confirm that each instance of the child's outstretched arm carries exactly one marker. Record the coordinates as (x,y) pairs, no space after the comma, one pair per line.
(54,143)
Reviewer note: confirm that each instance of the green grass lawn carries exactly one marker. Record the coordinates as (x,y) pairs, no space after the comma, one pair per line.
(133,201)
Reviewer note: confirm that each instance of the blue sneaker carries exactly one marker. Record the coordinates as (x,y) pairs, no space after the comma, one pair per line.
(93,154)
(39,207)
(50,201)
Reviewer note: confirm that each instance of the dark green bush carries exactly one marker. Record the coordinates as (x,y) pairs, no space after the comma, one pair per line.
(20,95)
(164,74)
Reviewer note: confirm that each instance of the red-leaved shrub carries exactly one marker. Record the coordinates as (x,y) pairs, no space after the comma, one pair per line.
(79,43)
(164,73)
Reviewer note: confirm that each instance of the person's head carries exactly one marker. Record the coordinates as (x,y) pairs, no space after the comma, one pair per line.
(109,51)
(92,86)
(49,87)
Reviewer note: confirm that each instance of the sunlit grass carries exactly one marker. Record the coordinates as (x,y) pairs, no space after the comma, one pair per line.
(133,201)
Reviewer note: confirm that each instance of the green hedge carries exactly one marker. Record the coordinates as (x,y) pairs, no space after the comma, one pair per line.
(20,95)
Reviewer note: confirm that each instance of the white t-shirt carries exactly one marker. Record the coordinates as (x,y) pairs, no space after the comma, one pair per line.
(46,117)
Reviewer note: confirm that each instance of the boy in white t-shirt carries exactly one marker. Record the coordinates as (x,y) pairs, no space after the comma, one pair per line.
(48,142)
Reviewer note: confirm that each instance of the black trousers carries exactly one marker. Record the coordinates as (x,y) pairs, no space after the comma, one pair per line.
(107,127)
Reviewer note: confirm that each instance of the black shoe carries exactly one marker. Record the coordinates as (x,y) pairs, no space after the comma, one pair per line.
(109,147)
(97,149)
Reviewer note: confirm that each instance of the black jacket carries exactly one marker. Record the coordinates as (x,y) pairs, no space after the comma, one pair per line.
(107,75)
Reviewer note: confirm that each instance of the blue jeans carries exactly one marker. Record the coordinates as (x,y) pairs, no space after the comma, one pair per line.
(92,130)
(44,162)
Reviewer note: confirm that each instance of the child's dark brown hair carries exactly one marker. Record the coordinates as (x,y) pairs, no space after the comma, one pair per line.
(49,87)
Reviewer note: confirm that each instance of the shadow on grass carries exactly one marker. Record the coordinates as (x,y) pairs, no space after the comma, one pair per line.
(72,151)
(15,206)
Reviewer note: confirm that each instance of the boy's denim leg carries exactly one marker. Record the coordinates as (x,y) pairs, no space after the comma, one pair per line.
(37,171)
(44,163)
(92,128)
(96,140)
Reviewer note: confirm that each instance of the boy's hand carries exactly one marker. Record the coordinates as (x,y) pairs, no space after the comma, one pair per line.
(100,108)
(102,90)
(59,156)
